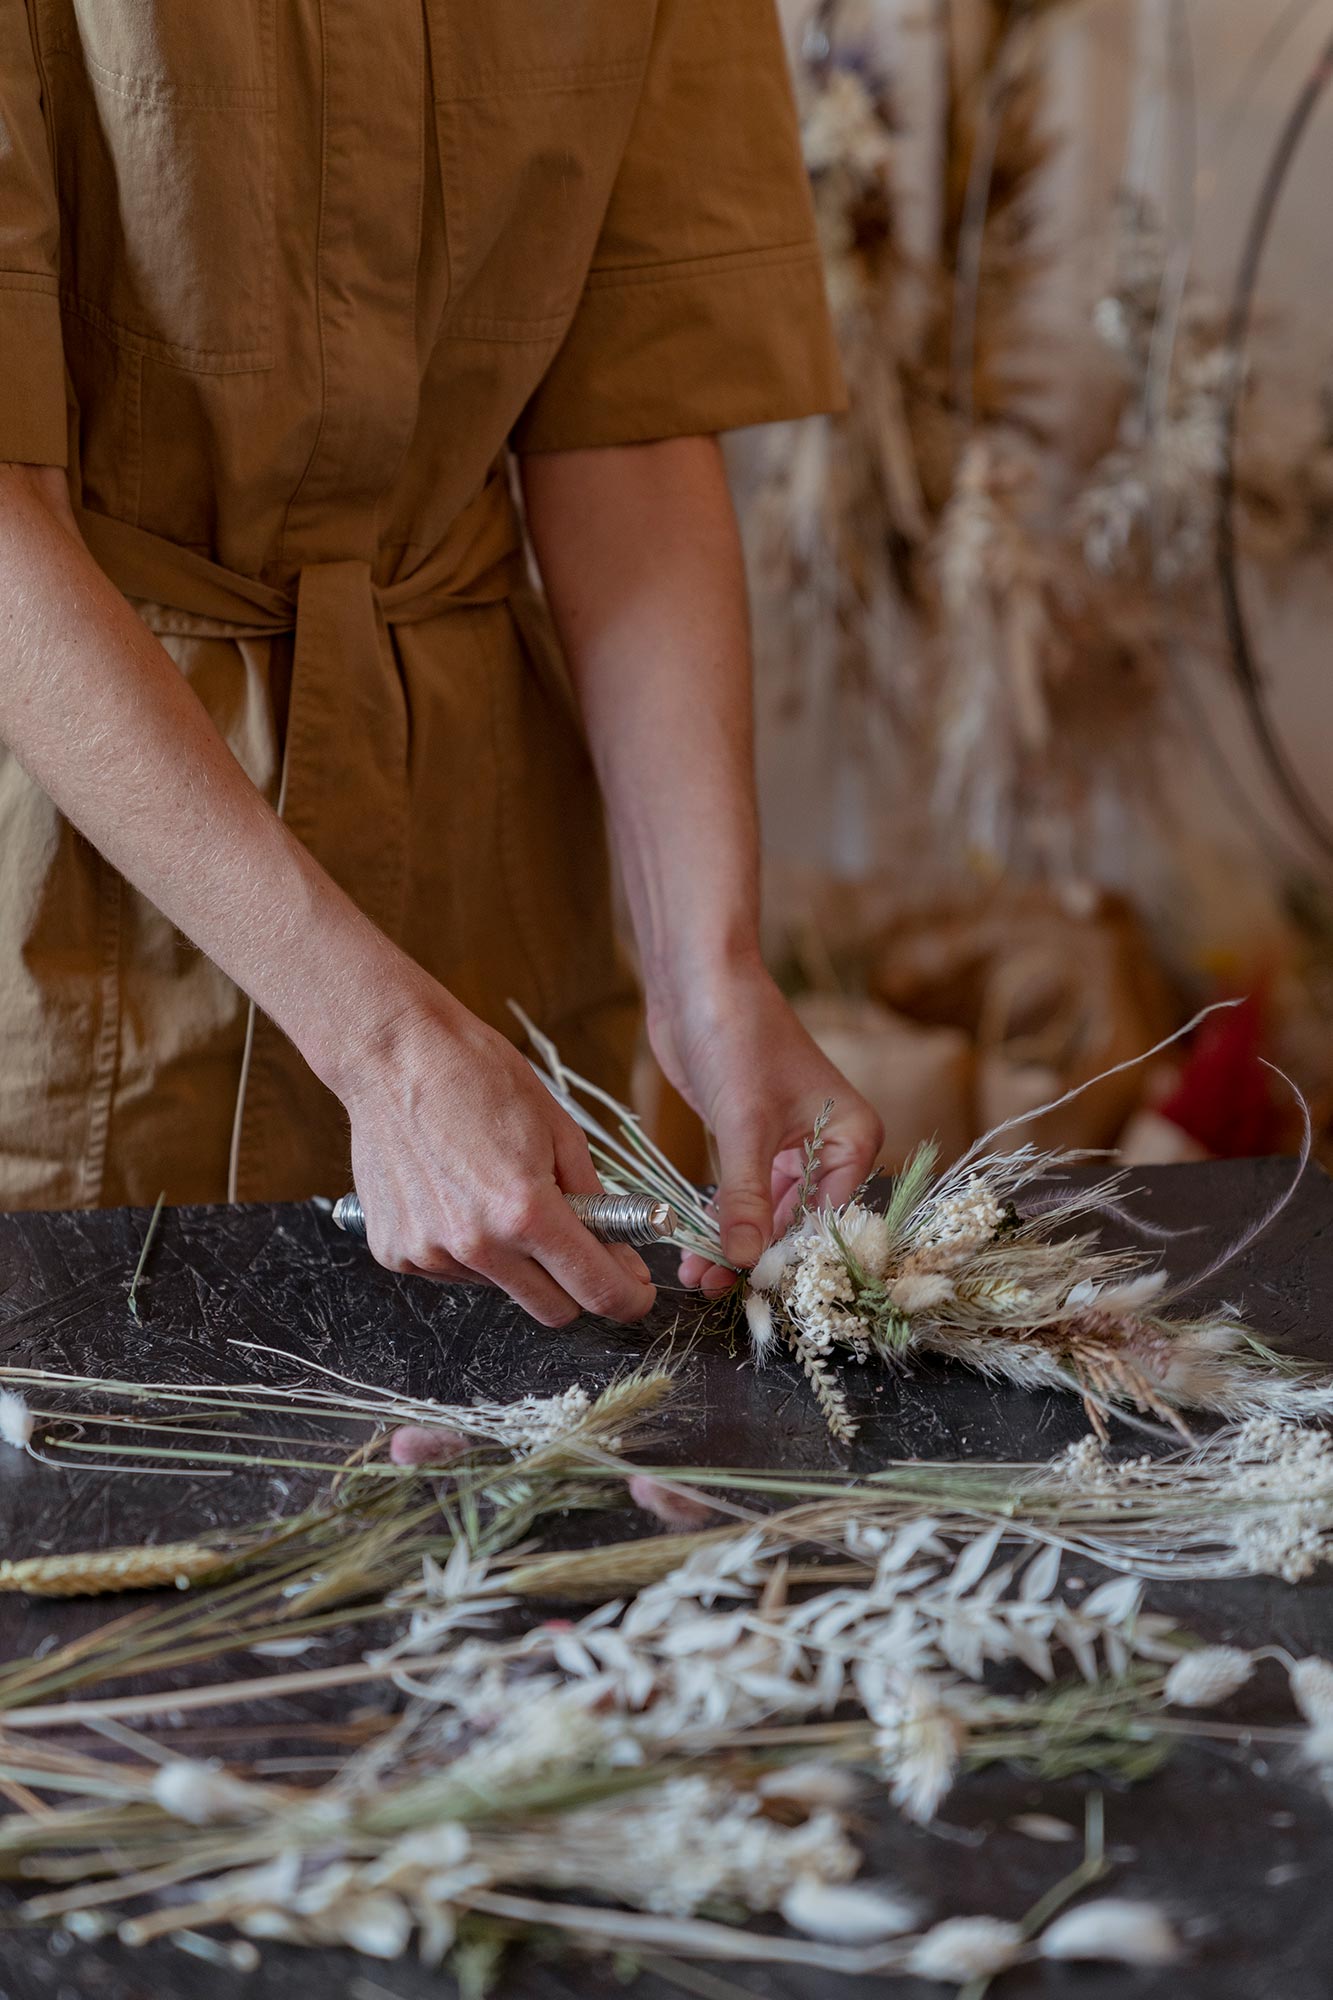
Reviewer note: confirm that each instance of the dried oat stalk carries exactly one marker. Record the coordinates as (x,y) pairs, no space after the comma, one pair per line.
(100,1572)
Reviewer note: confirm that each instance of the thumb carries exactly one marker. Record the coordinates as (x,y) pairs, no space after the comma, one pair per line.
(745,1146)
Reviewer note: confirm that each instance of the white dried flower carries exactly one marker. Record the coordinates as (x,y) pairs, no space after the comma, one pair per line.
(380,1925)
(683,1843)
(954,1229)
(1312,1690)
(203,1793)
(1086,1465)
(964,1948)
(846,1912)
(865,1236)
(759,1319)
(919,1741)
(810,1783)
(1043,1826)
(772,1263)
(16,1425)
(821,1295)
(1114,1928)
(1210,1676)
(919,1291)
(535,1421)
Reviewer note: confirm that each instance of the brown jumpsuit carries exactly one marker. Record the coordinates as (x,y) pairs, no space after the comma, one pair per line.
(281,282)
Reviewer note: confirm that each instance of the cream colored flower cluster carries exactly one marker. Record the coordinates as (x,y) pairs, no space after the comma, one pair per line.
(957,1227)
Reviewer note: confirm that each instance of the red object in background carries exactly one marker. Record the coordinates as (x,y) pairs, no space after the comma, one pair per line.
(1224,1097)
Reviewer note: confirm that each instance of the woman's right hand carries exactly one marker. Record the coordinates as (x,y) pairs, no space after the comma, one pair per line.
(463,1159)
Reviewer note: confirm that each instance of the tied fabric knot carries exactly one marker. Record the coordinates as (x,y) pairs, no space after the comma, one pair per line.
(347,729)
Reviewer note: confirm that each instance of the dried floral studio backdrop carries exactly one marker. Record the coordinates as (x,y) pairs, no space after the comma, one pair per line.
(1041,622)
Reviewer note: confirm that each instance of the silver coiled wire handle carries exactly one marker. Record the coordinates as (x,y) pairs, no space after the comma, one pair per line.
(612,1218)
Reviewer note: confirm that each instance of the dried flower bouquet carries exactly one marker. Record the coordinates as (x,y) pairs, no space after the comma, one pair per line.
(977,1263)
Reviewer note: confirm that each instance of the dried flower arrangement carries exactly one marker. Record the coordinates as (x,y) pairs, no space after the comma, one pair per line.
(688,1752)
(975,1263)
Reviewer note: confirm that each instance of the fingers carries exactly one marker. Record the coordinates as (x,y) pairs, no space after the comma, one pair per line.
(522,1277)
(745,1144)
(692,1267)
(850,1154)
(612,1282)
(576,1174)
(535,1249)
(573,1162)
(529,1286)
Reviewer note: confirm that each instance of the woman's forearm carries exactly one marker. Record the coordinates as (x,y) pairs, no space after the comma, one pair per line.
(640,555)
(641,558)
(461,1157)
(98,714)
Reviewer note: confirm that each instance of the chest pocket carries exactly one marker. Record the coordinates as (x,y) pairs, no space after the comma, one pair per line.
(162,116)
(534,101)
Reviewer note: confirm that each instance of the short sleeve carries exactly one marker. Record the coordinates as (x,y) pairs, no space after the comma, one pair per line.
(32,366)
(704,308)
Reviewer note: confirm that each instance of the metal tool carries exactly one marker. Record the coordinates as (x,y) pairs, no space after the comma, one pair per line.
(611,1218)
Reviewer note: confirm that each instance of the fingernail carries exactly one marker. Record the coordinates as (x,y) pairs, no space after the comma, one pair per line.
(744,1243)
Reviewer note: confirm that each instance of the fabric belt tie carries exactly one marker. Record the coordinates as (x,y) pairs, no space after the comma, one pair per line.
(348,729)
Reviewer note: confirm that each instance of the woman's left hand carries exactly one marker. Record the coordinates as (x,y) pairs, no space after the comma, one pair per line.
(740,1057)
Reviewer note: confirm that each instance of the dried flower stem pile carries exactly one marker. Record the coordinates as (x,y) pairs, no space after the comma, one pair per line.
(690,1749)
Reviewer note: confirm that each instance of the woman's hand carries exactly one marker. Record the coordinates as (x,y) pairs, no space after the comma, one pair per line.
(463,1160)
(739,1056)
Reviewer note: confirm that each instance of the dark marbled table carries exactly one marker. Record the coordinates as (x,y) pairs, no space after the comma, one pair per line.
(1236,1843)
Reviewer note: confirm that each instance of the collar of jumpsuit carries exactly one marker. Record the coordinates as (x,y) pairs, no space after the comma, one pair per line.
(295,278)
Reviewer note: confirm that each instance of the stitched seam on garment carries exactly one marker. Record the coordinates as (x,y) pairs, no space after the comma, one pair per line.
(256,354)
(609,276)
(517,332)
(423,100)
(30,281)
(202,360)
(155,91)
(760,51)
(321,252)
(547,77)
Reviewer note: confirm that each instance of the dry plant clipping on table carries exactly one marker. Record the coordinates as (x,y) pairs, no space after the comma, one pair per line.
(976,1263)
(696,1747)
(693,1741)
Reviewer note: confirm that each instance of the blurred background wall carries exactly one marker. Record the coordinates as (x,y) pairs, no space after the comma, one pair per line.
(1024,810)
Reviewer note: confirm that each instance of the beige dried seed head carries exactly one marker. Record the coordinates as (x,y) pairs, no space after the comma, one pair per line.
(100,1572)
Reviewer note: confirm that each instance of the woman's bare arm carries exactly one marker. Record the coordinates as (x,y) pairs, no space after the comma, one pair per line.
(640,554)
(459,1153)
